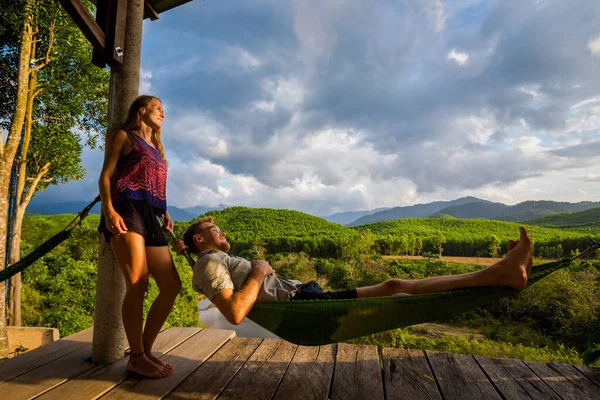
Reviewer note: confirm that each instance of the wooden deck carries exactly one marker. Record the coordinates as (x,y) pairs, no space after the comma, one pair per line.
(214,363)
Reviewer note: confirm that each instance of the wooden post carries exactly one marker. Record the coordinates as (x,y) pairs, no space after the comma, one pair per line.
(109,336)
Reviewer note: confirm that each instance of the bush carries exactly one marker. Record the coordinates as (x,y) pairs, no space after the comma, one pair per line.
(295,266)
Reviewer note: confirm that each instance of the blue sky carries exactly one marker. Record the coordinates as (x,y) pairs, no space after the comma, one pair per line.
(339,105)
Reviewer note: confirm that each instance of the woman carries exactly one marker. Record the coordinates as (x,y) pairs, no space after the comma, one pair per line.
(133,192)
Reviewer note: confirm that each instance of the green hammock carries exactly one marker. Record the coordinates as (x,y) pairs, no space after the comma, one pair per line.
(47,246)
(319,322)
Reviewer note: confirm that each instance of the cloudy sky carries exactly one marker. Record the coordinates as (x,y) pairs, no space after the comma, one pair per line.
(340,105)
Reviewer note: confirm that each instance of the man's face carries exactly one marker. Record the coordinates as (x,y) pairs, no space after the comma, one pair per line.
(213,237)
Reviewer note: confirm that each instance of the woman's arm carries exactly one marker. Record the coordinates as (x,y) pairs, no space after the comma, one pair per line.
(114,149)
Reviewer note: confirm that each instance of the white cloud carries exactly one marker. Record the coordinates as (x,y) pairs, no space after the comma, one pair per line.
(585,102)
(530,91)
(458,57)
(199,134)
(233,56)
(476,129)
(286,92)
(145,81)
(434,9)
(583,118)
(594,45)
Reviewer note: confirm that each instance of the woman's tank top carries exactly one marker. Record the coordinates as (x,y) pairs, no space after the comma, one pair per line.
(141,175)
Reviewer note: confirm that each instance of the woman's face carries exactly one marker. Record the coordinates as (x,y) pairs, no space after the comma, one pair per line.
(153,115)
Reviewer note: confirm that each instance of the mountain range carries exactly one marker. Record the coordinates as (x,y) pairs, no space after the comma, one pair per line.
(465,207)
(469,207)
(344,218)
(73,207)
(416,211)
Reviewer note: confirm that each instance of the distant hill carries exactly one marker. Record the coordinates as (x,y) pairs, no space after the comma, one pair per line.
(73,207)
(178,214)
(416,211)
(350,216)
(475,210)
(256,224)
(535,209)
(65,207)
(199,210)
(582,219)
(477,229)
(519,212)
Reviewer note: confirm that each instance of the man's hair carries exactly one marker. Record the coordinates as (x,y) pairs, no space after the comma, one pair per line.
(188,236)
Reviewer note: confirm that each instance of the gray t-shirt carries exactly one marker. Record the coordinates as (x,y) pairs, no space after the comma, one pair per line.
(216,270)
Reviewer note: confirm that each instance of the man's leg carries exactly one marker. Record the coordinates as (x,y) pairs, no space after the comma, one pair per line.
(511,271)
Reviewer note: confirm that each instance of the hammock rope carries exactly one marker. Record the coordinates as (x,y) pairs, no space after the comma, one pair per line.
(48,245)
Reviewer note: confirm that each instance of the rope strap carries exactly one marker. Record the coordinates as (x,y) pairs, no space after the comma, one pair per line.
(48,245)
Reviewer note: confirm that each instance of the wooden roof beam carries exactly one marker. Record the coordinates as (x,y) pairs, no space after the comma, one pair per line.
(150,11)
(84,21)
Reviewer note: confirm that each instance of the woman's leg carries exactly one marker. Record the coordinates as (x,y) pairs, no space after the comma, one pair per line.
(512,270)
(131,257)
(161,266)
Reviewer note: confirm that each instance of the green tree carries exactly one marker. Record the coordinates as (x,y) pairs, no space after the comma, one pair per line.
(360,245)
(418,245)
(438,242)
(494,246)
(66,97)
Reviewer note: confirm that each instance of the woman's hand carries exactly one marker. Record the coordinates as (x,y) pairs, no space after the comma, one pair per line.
(167,222)
(114,223)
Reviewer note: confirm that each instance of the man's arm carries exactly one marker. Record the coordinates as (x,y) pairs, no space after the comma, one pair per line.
(235,305)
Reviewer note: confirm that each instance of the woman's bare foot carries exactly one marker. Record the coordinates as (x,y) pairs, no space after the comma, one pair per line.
(140,364)
(513,270)
(157,361)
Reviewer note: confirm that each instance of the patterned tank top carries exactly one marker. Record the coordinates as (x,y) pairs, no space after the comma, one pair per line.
(141,175)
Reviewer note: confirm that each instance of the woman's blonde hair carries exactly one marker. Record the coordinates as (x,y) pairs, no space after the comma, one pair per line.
(134,121)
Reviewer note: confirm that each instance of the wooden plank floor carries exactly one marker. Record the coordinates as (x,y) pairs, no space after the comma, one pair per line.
(213,363)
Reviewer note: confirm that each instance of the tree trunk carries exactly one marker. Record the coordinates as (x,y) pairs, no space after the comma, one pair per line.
(23,199)
(7,155)
(14,317)
(14,304)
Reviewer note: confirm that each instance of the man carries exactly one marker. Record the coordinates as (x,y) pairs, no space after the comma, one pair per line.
(234,284)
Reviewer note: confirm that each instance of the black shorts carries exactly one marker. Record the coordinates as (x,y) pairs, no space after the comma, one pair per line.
(139,217)
(313,291)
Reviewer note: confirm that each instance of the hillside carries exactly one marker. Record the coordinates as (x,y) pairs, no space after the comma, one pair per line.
(475,210)
(256,225)
(416,211)
(588,220)
(350,216)
(276,231)
(463,236)
(519,212)
(293,231)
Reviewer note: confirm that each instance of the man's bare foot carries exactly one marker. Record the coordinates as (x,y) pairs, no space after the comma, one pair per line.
(513,270)
(140,364)
(157,361)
